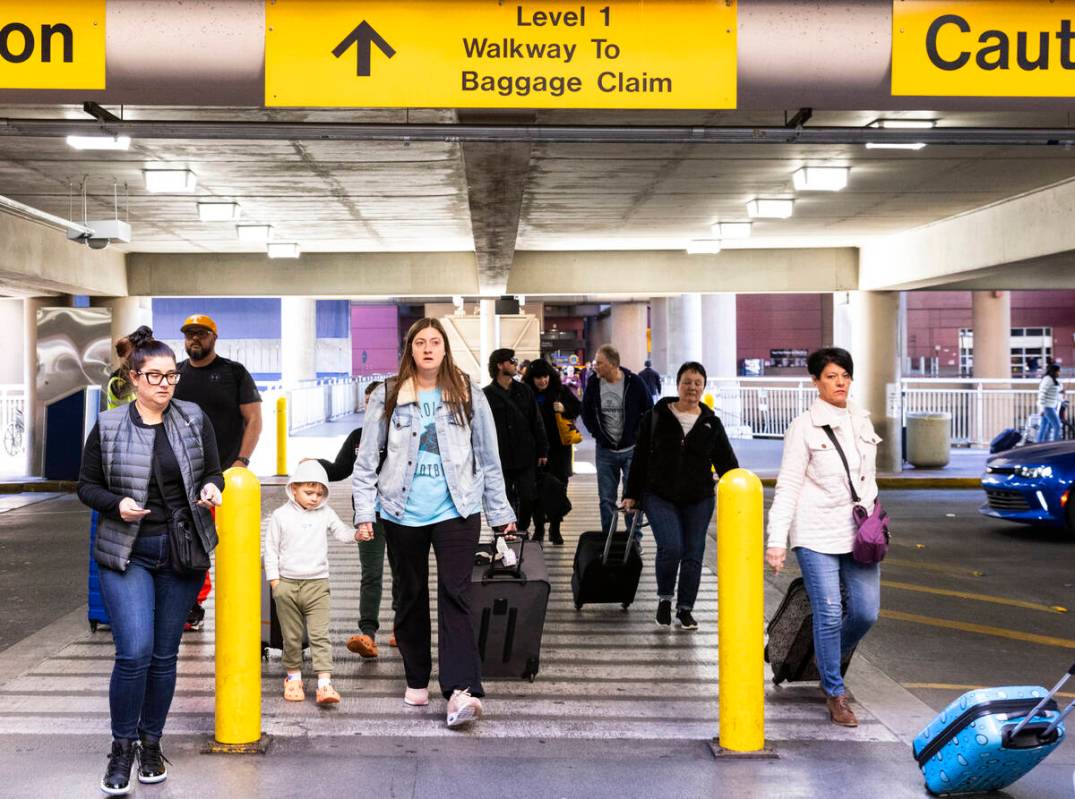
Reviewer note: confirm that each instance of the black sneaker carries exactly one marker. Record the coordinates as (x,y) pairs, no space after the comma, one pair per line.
(664,613)
(686,620)
(151,762)
(117,778)
(555,537)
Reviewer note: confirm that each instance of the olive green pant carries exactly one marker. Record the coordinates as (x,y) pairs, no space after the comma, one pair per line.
(303,605)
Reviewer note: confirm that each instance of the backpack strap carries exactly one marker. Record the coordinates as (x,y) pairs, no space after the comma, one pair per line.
(840,451)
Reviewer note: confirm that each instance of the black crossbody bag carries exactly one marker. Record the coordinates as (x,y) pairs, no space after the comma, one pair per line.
(187,553)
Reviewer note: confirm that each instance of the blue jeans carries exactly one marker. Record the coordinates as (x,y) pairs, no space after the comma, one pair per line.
(612,467)
(680,532)
(838,629)
(1050,426)
(148,605)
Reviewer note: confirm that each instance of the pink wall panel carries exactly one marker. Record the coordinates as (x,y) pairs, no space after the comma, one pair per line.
(374,334)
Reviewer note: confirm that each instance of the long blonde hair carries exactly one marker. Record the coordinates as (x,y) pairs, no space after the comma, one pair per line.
(453,383)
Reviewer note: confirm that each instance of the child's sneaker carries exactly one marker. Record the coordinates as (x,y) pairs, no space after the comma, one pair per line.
(416,697)
(293,691)
(463,708)
(327,695)
(363,645)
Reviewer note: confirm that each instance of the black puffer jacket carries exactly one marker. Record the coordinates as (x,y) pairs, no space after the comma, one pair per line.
(677,467)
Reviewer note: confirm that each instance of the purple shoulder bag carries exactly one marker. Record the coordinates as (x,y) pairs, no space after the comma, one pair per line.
(872,538)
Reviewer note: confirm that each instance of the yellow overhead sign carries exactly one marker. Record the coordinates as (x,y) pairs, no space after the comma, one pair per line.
(501,54)
(983,48)
(55,45)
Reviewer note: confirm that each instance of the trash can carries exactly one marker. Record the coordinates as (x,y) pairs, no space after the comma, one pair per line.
(929,439)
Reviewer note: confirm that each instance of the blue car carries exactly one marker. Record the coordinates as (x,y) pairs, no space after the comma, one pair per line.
(1032,485)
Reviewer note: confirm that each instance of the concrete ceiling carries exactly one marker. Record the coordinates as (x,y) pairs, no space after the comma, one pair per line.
(444,196)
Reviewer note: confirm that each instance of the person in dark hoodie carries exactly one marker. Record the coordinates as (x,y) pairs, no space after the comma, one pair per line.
(613,403)
(681,442)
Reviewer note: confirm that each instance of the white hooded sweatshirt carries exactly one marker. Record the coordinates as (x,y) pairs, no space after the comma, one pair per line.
(296,544)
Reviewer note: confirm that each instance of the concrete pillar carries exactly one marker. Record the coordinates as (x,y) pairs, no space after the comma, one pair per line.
(128,314)
(34,415)
(658,325)
(719,343)
(629,333)
(841,320)
(684,330)
(875,348)
(298,339)
(489,339)
(992,322)
(12,364)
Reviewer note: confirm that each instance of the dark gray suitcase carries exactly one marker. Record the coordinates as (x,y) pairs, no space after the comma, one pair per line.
(790,650)
(508,612)
(607,566)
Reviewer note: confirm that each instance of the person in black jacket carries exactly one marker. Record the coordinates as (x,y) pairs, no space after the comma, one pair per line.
(552,399)
(613,403)
(370,554)
(680,443)
(520,433)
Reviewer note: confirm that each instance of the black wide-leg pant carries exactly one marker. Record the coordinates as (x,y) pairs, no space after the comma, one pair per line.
(454,543)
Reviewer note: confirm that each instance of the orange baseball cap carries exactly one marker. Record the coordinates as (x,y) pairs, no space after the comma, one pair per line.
(198,320)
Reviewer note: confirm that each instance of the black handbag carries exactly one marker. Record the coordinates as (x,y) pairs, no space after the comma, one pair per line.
(187,552)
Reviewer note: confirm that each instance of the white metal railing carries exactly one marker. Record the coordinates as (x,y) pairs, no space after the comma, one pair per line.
(12,423)
(320,401)
(763,407)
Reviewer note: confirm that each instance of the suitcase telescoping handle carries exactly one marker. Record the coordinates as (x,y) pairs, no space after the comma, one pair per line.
(1043,703)
(515,571)
(636,517)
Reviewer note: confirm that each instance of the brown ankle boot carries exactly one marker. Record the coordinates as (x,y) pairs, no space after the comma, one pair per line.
(840,711)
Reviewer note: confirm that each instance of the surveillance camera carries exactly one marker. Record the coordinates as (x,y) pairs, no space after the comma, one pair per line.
(97,244)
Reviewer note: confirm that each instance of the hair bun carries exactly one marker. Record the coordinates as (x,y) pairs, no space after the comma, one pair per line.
(140,337)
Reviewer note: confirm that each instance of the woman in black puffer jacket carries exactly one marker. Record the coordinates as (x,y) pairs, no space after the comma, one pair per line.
(680,443)
(552,398)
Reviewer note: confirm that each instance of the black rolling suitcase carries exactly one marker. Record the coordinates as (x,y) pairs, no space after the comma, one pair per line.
(508,607)
(790,650)
(607,566)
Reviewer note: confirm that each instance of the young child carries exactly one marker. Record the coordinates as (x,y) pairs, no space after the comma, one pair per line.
(296,566)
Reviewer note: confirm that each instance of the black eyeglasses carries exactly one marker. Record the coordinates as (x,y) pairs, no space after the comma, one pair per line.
(156,378)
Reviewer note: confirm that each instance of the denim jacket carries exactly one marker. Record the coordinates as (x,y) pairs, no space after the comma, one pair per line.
(469,454)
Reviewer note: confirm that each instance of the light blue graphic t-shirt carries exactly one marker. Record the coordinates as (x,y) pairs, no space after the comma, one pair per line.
(429,500)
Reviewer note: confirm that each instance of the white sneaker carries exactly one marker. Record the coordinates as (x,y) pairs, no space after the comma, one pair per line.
(416,697)
(463,708)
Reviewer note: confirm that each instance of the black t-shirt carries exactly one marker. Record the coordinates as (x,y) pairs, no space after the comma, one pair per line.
(219,389)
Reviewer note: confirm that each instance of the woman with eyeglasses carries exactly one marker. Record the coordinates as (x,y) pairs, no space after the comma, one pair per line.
(148,467)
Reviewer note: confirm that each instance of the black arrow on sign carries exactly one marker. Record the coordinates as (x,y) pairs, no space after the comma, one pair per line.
(363,36)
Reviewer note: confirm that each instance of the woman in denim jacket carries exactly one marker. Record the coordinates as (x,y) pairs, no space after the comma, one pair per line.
(441,468)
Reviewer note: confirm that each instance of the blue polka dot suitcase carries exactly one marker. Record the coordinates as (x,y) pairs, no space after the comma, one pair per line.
(989,738)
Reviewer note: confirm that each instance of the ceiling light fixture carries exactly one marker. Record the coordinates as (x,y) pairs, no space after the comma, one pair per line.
(283,249)
(877,145)
(904,124)
(821,178)
(703,247)
(218,212)
(99,142)
(732,230)
(258,234)
(760,208)
(169,180)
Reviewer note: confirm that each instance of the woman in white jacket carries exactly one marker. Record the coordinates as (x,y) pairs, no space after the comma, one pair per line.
(1050,391)
(812,513)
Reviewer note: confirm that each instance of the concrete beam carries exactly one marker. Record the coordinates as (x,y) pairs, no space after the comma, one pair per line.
(325,275)
(496,177)
(656,273)
(1032,233)
(36,261)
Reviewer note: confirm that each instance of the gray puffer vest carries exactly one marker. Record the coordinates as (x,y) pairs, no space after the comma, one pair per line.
(126,459)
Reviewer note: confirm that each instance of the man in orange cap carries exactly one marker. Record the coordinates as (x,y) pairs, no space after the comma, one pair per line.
(227,394)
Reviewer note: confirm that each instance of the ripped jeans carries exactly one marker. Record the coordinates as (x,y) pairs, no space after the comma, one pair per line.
(838,629)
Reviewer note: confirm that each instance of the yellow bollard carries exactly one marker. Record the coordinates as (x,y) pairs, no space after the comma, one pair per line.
(281,436)
(709,400)
(740,613)
(238,613)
